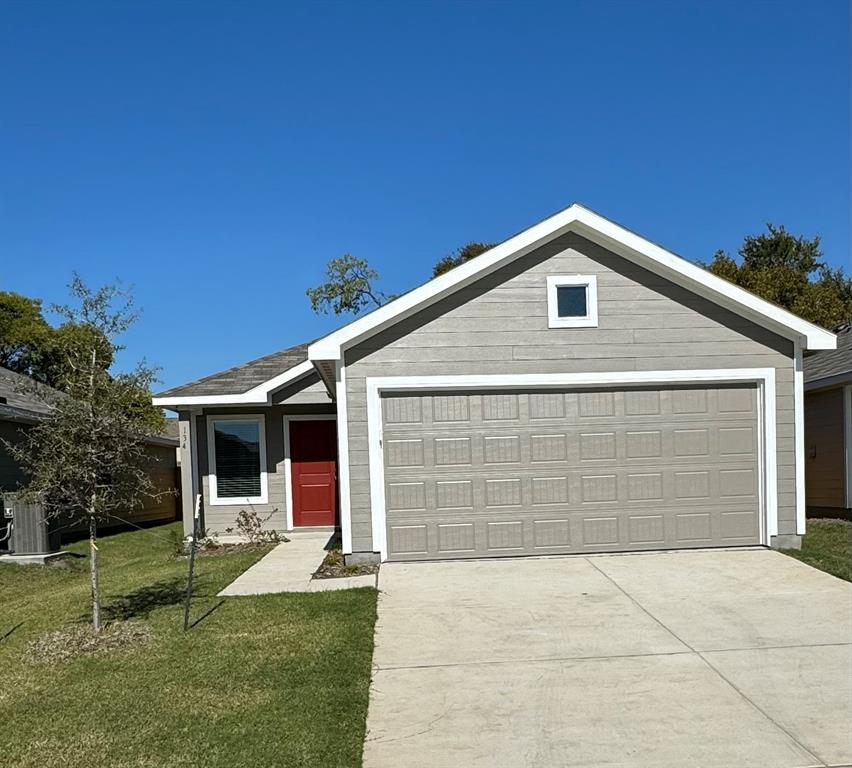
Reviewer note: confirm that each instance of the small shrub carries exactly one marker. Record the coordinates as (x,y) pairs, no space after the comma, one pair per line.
(249,525)
(180,543)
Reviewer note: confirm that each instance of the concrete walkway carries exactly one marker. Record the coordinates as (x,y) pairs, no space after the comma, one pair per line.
(289,568)
(714,659)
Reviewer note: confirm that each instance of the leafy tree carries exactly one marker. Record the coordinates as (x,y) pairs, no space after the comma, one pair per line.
(24,335)
(350,281)
(348,287)
(790,272)
(86,461)
(460,256)
(29,345)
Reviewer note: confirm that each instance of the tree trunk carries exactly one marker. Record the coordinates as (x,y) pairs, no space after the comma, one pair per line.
(93,570)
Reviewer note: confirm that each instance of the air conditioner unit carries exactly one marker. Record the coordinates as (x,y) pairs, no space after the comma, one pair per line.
(32,532)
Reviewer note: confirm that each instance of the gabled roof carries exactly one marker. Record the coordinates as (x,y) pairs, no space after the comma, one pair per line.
(251,382)
(28,401)
(592,226)
(833,365)
(22,399)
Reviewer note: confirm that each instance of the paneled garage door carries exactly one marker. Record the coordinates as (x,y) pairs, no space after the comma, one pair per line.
(471,474)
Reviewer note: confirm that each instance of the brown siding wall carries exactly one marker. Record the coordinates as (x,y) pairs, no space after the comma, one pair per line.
(824,454)
(499,325)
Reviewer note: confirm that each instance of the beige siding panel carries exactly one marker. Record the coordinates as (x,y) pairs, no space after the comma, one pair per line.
(499,326)
(824,453)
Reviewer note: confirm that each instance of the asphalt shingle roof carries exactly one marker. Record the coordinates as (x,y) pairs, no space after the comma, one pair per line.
(242,378)
(831,362)
(28,401)
(23,397)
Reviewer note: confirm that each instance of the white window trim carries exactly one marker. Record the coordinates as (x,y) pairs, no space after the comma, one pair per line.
(767,415)
(288,461)
(590,319)
(211,461)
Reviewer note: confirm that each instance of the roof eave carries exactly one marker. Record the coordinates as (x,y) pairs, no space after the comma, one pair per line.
(259,395)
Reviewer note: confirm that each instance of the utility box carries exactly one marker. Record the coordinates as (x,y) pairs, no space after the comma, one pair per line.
(32,532)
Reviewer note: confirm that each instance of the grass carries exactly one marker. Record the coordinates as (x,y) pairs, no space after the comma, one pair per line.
(828,546)
(258,681)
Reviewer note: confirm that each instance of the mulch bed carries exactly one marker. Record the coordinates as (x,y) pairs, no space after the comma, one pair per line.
(333,567)
(215,550)
(81,640)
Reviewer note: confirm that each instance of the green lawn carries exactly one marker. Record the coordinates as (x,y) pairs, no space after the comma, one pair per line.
(275,680)
(827,545)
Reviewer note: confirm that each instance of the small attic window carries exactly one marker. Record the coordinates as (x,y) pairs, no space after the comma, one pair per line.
(572,301)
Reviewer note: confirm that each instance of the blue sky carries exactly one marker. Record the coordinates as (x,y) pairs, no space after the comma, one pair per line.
(215,155)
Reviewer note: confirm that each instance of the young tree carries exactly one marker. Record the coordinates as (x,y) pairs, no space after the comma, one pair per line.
(86,461)
(460,256)
(348,287)
(790,272)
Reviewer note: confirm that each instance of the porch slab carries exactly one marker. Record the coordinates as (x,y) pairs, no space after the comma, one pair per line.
(287,568)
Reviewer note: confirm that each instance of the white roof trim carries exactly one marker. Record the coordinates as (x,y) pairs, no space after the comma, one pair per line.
(259,395)
(591,225)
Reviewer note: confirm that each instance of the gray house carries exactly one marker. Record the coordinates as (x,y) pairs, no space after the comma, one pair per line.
(828,428)
(577,388)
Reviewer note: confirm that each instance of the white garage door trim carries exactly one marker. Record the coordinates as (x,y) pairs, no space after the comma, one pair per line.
(763,377)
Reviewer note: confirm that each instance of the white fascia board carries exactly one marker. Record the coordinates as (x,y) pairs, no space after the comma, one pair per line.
(259,395)
(595,227)
(684,272)
(330,347)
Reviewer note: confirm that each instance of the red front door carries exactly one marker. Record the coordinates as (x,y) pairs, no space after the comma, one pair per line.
(313,461)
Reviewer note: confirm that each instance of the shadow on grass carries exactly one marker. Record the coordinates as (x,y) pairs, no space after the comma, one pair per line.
(9,632)
(206,613)
(142,602)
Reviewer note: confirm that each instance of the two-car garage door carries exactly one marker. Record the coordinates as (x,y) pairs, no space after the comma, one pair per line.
(471,474)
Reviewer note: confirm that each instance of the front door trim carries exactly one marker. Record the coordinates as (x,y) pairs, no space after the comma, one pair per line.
(288,464)
(763,377)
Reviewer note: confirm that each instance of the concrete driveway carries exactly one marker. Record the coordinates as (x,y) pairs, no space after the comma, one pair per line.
(714,658)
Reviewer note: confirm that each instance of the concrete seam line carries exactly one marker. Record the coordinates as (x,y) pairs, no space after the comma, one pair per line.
(639,605)
(710,666)
(533,660)
(763,712)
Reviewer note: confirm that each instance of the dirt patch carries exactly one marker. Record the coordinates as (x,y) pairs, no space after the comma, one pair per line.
(333,567)
(81,640)
(215,550)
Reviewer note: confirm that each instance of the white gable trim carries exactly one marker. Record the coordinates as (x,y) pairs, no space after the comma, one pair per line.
(259,395)
(594,227)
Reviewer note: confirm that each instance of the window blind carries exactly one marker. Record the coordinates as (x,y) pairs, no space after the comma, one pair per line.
(237,459)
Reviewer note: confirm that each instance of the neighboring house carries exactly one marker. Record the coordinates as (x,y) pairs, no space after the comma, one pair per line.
(828,428)
(21,407)
(576,388)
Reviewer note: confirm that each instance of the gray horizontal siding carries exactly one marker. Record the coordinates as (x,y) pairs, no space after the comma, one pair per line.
(308,390)
(217,518)
(499,325)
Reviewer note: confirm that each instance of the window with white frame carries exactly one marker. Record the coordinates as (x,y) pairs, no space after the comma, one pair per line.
(236,451)
(572,301)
